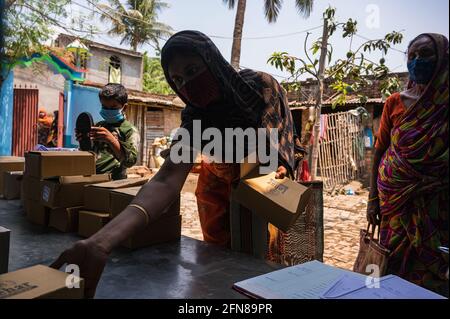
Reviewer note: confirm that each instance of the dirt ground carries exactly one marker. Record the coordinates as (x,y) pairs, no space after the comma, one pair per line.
(344,216)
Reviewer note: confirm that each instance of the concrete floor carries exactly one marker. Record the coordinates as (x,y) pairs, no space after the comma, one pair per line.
(187,269)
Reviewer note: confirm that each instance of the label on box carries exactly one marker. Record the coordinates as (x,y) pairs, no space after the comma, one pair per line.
(46,193)
(276,187)
(10,288)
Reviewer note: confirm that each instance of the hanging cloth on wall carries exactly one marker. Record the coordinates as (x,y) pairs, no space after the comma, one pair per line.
(114,75)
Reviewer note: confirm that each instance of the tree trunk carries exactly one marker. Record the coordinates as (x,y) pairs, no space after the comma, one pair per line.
(319,96)
(237,35)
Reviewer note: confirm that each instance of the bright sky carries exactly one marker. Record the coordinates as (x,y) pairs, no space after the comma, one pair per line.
(215,19)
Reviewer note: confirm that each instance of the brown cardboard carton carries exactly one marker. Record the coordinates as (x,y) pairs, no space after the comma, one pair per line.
(12,183)
(4,249)
(65,219)
(32,188)
(121,198)
(97,196)
(9,164)
(278,201)
(49,164)
(37,213)
(68,191)
(91,222)
(167,228)
(40,282)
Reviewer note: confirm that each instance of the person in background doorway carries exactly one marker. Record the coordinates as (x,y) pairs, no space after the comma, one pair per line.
(53,137)
(409,188)
(116,140)
(44,125)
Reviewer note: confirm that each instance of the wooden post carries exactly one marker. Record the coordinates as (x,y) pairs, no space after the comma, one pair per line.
(319,95)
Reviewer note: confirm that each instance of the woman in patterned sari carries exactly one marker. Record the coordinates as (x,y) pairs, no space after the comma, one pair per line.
(409,189)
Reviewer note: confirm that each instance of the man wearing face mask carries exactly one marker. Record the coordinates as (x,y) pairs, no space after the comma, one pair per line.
(115,139)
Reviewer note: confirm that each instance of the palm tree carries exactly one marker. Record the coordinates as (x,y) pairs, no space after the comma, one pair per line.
(271,11)
(136,21)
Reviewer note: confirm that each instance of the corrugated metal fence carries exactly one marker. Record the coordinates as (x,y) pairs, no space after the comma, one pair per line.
(25,117)
(341,157)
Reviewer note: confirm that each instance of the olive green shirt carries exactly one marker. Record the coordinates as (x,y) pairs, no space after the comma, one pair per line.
(129,139)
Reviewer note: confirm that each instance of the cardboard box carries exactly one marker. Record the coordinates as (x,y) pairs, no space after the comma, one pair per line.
(12,183)
(91,222)
(31,188)
(40,282)
(65,219)
(65,163)
(97,196)
(4,249)
(121,198)
(68,191)
(279,202)
(10,164)
(37,213)
(167,228)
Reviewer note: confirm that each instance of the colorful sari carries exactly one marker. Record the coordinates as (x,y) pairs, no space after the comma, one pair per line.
(413,185)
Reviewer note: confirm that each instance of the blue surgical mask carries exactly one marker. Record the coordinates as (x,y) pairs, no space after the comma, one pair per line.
(112,115)
(421,70)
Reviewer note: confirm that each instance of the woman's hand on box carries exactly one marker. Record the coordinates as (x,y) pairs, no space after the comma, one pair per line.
(91,260)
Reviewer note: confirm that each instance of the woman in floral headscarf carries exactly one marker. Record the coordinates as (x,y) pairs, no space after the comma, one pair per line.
(409,192)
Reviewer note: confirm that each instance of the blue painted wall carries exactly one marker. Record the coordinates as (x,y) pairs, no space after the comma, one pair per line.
(79,99)
(6,114)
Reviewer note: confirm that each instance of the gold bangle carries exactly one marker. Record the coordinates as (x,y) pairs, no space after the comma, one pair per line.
(142,210)
(372,199)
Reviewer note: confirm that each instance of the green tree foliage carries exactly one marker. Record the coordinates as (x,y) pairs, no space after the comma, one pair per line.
(154,80)
(347,74)
(136,21)
(28,25)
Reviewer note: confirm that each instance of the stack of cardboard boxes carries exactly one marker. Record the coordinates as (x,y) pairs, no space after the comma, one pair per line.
(105,201)
(164,229)
(96,212)
(40,166)
(11,168)
(64,196)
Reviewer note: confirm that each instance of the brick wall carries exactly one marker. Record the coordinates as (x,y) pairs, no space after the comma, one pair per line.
(98,63)
(98,68)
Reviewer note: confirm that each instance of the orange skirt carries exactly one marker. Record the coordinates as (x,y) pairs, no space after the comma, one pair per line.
(213,201)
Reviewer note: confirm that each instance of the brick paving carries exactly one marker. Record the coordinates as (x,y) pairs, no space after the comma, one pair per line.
(344,216)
